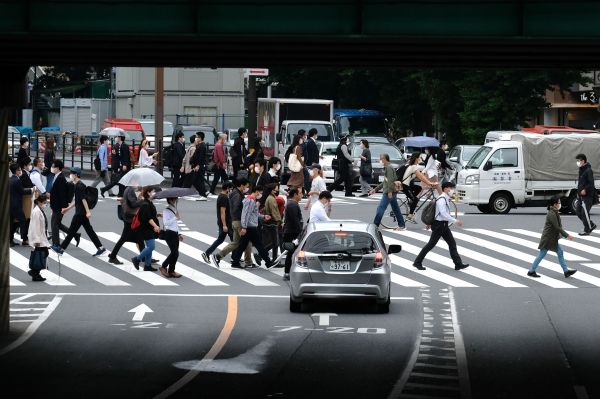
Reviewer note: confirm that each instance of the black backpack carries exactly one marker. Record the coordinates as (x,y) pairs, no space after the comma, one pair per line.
(401,171)
(91,196)
(168,156)
(428,214)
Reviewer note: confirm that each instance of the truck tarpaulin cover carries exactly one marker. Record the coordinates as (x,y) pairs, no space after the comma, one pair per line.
(553,158)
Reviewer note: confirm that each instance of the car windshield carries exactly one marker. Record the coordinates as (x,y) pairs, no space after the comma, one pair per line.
(324,242)
(363,125)
(377,150)
(324,130)
(209,136)
(135,136)
(478,157)
(468,152)
(329,149)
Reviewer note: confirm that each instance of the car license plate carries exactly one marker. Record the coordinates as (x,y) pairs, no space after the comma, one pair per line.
(339,265)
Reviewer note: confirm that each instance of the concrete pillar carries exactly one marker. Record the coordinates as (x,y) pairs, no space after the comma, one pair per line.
(12,99)
(159,100)
(252,105)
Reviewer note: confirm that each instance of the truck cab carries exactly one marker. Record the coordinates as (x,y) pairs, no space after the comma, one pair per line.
(359,122)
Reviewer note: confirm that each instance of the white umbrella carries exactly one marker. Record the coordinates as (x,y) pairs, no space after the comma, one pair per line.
(141,177)
(113,132)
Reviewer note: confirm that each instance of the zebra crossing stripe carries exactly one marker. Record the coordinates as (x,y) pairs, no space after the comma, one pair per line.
(88,271)
(525,243)
(563,243)
(585,238)
(472,271)
(21,262)
(405,281)
(244,275)
(127,266)
(186,271)
(13,282)
(431,273)
(488,260)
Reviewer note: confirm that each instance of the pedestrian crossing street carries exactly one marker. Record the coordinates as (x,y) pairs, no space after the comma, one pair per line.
(497,258)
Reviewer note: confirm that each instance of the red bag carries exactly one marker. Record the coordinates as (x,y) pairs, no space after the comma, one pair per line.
(135,223)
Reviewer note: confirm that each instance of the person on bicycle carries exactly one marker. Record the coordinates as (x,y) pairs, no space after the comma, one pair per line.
(390,194)
(410,189)
(431,171)
(445,166)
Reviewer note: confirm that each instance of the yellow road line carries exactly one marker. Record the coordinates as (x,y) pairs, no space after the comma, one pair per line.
(232,311)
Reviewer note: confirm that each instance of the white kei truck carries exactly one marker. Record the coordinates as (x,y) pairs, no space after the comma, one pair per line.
(527,169)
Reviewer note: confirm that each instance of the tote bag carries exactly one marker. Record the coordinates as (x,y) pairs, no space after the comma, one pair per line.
(294,164)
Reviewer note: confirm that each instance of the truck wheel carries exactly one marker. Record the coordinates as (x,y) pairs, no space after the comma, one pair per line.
(484,208)
(571,204)
(501,203)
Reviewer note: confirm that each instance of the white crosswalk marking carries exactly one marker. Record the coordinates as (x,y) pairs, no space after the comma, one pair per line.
(21,262)
(525,243)
(186,271)
(13,282)
(405,281)
(563,243)
(127,266)
(243,275)
(431,273)
(488,260)
(473,271)
(91,272)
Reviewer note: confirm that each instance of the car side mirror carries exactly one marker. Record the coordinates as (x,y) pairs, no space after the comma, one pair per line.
(488,165)
(453,159)
(278,137)
(394,249)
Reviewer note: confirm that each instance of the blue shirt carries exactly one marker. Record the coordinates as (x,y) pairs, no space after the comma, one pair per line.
(103,155)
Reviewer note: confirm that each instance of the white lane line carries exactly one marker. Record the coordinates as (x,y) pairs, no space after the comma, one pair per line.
(488,260)
(471,271)
(88,271)
(525,243)
(26,309)
(18,300)
(13,282)
(563,243)
(32,328)
(127,266)
(430,273)
(241,274)
(21,262)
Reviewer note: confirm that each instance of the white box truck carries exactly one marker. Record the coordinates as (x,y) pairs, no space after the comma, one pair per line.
(526,169)
(84,116)
(280,118)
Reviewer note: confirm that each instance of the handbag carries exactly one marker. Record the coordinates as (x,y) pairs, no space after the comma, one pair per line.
(294,164)
(37,259)
(366,169)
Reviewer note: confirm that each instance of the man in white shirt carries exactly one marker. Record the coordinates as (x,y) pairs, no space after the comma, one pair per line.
(36,176)
(318,212)
(440,229)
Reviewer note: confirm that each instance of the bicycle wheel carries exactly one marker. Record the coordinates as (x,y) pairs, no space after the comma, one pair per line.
(389,221)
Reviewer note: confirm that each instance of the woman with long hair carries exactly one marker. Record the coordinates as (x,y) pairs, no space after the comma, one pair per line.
(410,189)
(49,156)
(297,178)
(148,230)
(146,160)
(366,168)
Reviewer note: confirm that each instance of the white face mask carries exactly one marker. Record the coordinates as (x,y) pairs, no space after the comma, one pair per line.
(451,193)
(30,168)
(579,164)
(301,141)
(278,167)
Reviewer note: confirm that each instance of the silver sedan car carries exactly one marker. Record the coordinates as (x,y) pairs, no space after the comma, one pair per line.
(341,259)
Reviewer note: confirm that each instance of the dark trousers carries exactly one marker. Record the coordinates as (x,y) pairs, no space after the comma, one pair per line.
(199,182)
(307,182)
(220,239)
(289,255)
(114,181)
(18,220)
(345,177)
(271,238)
(127,235)
(583,212)
(56,226)
(76,223)
(411,194)
(219,174)
(172,239)
(177,178)
(252,236)
(440,230)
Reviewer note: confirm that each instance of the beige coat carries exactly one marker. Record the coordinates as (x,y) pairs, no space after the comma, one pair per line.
(187,168)
(37,229)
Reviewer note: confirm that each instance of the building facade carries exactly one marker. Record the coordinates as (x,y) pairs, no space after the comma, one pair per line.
(191,96)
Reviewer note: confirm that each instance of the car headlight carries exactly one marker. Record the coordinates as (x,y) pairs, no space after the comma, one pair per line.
(472,179)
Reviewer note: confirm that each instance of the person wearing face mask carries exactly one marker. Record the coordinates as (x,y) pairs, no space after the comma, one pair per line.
(17,216)
(445,167)
(440,229)
(550,236)
(26,168)
(344,168)
(38,235)
(317,185)
(297,178)
(318,212)
(270,228)
(586,193)
(82,215)
(148,230)
(146,160)
(223,221)
(236,199)
(219,158)
(59,200)
(178,155)
(431,171)
(238,152)
(36,177)
(274,168)
(366,169)
(172,237)
(130,202)
(23,150)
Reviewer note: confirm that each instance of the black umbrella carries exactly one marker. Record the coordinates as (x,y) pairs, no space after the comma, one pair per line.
(175,192)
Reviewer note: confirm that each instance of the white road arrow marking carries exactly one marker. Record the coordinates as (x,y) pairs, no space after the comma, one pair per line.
(323,318)
(140,311)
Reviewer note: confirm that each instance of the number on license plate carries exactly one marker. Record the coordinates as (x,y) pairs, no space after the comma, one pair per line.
(339,265)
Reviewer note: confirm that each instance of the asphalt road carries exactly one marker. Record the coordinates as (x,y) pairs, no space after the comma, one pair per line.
(95,330)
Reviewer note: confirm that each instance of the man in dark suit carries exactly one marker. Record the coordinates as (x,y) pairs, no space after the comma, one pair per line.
(198,163)
(311,155)
(178,155)
(17,217)
(292,227)
(59,199)
(238,152)
(121,164)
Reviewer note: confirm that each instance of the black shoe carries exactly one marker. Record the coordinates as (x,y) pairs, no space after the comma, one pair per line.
(112,195)
(136,263)
(150,269)
(419,266)
(570,272)
(461,266)
(533,274)
(102,191)
(37,277)
(593,227)
(272,264)
(30,272)
(216,259)
(114,260)
(584,233)
(205,258)
(257,258)
(154,261)
(77,239)
(237,266)
(349,195)
(25,243)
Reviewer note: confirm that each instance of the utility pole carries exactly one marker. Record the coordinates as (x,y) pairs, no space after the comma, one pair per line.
(159,99)
(251,110)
